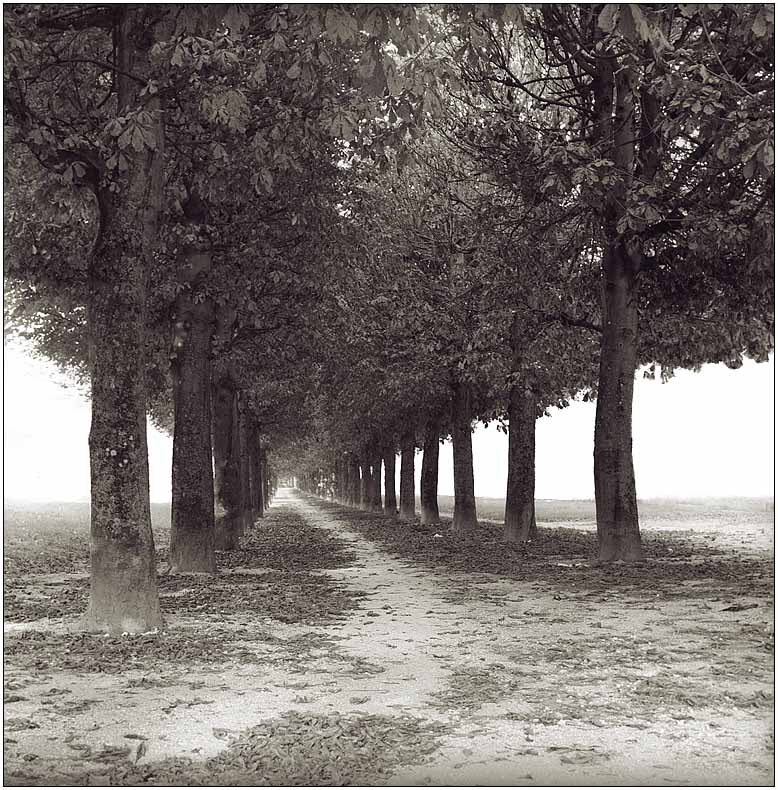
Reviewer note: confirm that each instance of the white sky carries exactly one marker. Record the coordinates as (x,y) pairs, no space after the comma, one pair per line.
(702,434)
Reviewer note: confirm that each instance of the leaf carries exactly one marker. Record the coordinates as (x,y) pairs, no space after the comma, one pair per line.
(759,26)
(294,72)
(260,73)
(16,723)
(607,18)
(768,154)
(236,19)
(740,607)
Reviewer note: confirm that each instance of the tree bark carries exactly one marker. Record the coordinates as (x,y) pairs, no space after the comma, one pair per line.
(266,494)
(375,478)
(520,523)
(465,518)
(618,531)
(247,512)
(192,506)
(407,476)
(257,472)
(366,483)
(356,483)
(345,480)
(123,592)
(226,452)
(429,474)
(390,476)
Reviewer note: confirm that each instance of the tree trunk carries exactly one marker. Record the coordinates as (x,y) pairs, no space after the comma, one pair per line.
(257,472)
(390,476)
(618,531)
(465,519)
(356,483)
(123,593)
(366,484)
(407,481)
(375,478)
(247,512)
(192,514)
(266,494)
(429,474)
(520,523)
(226,452)
(345,493)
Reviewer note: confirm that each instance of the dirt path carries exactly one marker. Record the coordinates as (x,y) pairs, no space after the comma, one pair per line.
(449,655)
(532,687)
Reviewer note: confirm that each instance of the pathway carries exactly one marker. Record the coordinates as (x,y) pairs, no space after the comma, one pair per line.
(534,688)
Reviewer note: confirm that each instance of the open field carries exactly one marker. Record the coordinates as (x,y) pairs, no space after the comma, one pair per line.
(693,510)
(342,647)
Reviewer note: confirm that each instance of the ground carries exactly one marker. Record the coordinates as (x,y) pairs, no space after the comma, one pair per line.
(340,647)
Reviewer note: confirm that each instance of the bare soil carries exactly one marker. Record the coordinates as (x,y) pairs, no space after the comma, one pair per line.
(338,647)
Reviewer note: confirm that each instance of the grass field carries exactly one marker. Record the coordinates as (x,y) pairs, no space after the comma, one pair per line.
(569,511)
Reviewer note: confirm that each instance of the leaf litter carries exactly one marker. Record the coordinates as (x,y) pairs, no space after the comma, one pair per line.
(524,681)
(294,749)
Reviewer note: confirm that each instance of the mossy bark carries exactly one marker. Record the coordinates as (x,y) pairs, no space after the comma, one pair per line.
(192,502)
(123,593)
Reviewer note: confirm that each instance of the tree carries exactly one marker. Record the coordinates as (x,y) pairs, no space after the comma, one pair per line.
(652,118)
(123,594)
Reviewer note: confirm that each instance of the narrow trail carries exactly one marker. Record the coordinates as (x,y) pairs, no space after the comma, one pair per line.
(433,645)
(531,686)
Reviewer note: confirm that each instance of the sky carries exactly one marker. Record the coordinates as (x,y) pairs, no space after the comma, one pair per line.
(710,433)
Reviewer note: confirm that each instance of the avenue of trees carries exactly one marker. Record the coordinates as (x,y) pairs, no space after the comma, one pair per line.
(308,239)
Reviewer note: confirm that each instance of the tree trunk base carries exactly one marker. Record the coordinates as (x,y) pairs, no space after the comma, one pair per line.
(123,596)
(464,525)
(520,527)
(429,516)
(615,550)
(517,534)
(196,556)
(226,534)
